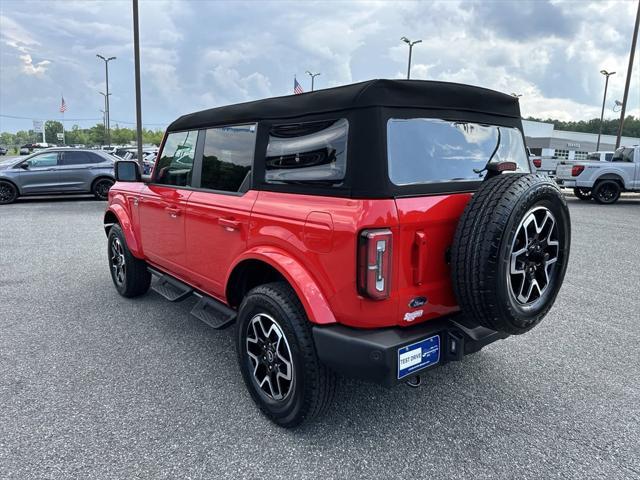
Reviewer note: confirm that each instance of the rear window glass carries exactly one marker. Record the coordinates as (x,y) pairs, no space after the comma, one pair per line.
(312,152)
(425,150)
(227,157)
(623,154)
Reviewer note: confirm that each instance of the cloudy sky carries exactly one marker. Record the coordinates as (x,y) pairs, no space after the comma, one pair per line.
(200,54)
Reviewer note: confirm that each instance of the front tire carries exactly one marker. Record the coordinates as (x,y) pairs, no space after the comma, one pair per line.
(101,188)
(129,274)
(8,193)
(582,194)
(607,192)
(277,357)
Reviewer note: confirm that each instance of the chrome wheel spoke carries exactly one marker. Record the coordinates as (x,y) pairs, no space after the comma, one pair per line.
(270,356)
(534,253)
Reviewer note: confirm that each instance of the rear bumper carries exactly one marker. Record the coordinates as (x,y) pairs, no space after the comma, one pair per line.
(372,355)
(566,183)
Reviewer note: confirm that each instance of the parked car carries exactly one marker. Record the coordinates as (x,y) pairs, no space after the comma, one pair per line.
(603,181)
(57,171)
(338,230)
(3,150)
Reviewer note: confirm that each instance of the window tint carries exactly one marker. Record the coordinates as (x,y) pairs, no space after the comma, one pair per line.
(623,154)
(422,150)
(44,160)
(78,158)
(227,157)
(175,165)
(608,157)
(308,152)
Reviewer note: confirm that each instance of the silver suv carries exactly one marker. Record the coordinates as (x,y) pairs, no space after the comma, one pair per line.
(57,171)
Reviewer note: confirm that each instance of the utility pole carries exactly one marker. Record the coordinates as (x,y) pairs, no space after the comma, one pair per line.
(313,76)
(604,99)
(411,44)
(136,51)
(106,73)
(626,87)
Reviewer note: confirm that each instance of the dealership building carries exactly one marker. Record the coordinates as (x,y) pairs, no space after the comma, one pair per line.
(543,139)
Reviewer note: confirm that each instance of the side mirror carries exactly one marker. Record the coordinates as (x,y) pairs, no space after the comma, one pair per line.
(127,171)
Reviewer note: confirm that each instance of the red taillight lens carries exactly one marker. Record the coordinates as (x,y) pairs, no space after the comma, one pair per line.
(374,263)
(537,162)
(576,170)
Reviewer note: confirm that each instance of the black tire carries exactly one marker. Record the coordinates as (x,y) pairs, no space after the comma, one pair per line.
(606,192)
(101,188)
(582,193)
(310,390)
(8,192)
(497,255)
(134,279)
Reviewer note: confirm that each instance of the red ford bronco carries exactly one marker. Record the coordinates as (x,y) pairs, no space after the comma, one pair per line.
(374,230)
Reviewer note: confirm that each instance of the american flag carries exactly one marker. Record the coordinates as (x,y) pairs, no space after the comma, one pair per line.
(297,89)
(63,106)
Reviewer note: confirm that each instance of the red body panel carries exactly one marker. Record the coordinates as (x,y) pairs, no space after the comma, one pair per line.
(200,237)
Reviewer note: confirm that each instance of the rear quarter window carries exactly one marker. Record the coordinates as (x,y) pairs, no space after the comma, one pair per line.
(312,152)
(425,150)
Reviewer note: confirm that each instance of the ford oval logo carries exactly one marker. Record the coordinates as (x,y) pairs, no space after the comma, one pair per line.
(417,302)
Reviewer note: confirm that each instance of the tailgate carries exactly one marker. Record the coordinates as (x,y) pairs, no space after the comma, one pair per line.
(563,171)
(427,226)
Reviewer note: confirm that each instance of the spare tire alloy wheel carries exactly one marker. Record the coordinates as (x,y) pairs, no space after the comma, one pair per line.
(8,193)
(534,253)
(270,355)
(510,252)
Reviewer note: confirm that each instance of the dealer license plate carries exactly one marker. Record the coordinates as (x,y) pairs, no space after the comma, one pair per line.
(419,355)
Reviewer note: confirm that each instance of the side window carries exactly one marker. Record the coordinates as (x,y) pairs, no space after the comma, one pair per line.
(77,158)
(176,161)
(227,157)
(608,157)
(313,152)
(43,160)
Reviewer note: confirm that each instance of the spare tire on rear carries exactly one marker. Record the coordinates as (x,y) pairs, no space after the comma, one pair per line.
(510,252)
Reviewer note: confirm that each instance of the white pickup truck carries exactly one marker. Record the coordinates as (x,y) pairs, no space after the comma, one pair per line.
(603,181)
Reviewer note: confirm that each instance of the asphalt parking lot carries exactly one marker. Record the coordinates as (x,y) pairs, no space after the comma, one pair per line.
(96,386)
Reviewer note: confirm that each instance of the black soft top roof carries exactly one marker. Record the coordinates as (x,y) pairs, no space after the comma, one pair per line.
(372,93)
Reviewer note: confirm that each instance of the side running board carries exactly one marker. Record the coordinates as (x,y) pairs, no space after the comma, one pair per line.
(208,310)
(170,288)
(215,314)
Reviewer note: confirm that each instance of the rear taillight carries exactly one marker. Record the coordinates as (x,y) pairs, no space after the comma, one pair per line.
(576,170)
(537,162)
(374,263)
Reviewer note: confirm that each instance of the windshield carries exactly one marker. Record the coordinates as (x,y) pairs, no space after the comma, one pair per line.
(424,150)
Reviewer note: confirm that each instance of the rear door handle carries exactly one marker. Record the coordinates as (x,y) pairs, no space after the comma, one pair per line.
(229,223)
(173,212)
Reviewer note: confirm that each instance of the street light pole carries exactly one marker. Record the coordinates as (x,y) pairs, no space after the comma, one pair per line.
(411,44)
(104,117)
(313,76)
(106,72)
(626,86)
(136,55)
(604,99)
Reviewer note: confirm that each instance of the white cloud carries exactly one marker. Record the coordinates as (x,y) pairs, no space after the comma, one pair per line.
(197,55)
(31,68)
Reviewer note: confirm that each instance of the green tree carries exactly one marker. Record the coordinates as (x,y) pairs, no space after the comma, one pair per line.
(51,129)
